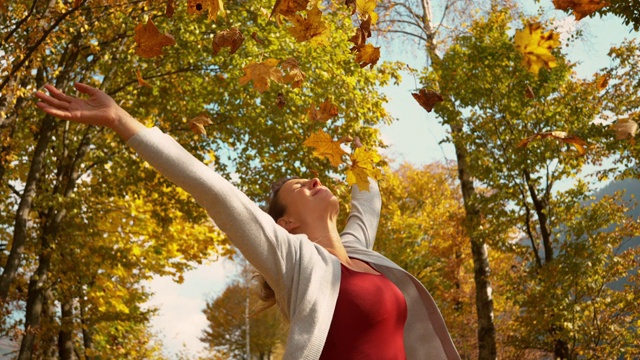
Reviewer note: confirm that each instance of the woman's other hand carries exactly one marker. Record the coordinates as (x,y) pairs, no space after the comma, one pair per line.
(99,109)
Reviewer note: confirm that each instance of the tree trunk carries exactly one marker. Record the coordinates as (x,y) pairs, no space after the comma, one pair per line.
(484,302)
(87,337)
(65,337)
(24,208)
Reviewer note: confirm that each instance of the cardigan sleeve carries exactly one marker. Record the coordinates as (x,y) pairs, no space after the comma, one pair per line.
(362,223)
(267,246)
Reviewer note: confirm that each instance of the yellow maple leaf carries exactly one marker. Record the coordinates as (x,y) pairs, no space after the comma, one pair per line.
(311,28)
(581,8)
(536,46)
(261,73)
(150,41)
(367,55)
(295,76)
(363,166)
(198,123)
(324,147)
(602,81)
(366,8)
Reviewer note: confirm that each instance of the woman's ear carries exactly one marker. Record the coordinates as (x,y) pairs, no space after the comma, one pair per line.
(287,223)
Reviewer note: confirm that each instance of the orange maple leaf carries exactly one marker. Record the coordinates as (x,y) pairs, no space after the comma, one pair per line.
(324,147)
(602,81)
(326,111)
(231,38)
(288,7)
(577,142)
(198,123)
(581,8)
(261,73)
(141,81)
(150,41)
(366,55)
(310,28)
(363,32)
(214,7)
(295,77)
(427,98)
(363,166)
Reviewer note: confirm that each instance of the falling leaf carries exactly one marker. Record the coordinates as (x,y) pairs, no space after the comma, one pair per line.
(150,41)
(363,32)
(427,98)
(198,123)
(367,8)
(288,7)
(324,112)
(280,101)
(295,76)
(324,147)
(357,143)
(170,9)
(311,28)
(255,37)
(536,46)
(141,81)
(577,142)
(625,129)
(367,55)
(76,4)
(231,38)
(363,166)
(214,7)
(261,73)
(528,92)
(581,8)
(602,81)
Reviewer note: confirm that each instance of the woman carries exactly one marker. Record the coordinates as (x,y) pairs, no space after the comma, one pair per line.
(342,299)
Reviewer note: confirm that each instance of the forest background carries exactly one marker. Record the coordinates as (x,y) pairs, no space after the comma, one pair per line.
(86,225)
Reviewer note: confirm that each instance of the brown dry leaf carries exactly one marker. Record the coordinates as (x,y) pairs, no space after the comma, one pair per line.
(625,129)
(363,32)
(366,55)
(231,38)
(261,73)
(324,112)
(577,142)
(427,98)
(528,92)
(280,100)
(141,81)
(363,166)
(198,123)
(311,28)
(288,7)
(150,41)
(324,147)
(170,10)
(581,8)
(295,76)
(255,37)
(602,81)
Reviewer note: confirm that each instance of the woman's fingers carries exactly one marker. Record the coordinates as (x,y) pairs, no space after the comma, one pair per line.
(86,89)
(49,100)
(51,110)
(59,94)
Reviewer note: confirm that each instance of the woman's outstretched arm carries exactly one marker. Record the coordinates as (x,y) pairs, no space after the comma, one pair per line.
(99,109)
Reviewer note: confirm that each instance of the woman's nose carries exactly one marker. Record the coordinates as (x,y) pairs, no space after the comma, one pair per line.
(315,182)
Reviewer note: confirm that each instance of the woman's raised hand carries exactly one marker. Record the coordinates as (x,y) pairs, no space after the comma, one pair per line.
(99,109)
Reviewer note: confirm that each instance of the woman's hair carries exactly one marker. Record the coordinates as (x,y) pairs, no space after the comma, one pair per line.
(276,209)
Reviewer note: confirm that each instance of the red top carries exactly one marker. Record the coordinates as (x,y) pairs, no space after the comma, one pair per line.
(368,322)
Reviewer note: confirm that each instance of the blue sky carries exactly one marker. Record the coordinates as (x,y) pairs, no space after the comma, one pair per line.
(413,137)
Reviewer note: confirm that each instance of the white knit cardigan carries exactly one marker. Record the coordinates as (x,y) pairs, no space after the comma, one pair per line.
(304,276)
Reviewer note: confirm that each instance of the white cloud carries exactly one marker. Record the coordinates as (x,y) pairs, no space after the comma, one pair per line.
(180,320)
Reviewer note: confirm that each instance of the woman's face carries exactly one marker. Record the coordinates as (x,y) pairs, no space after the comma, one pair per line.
(307,200)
